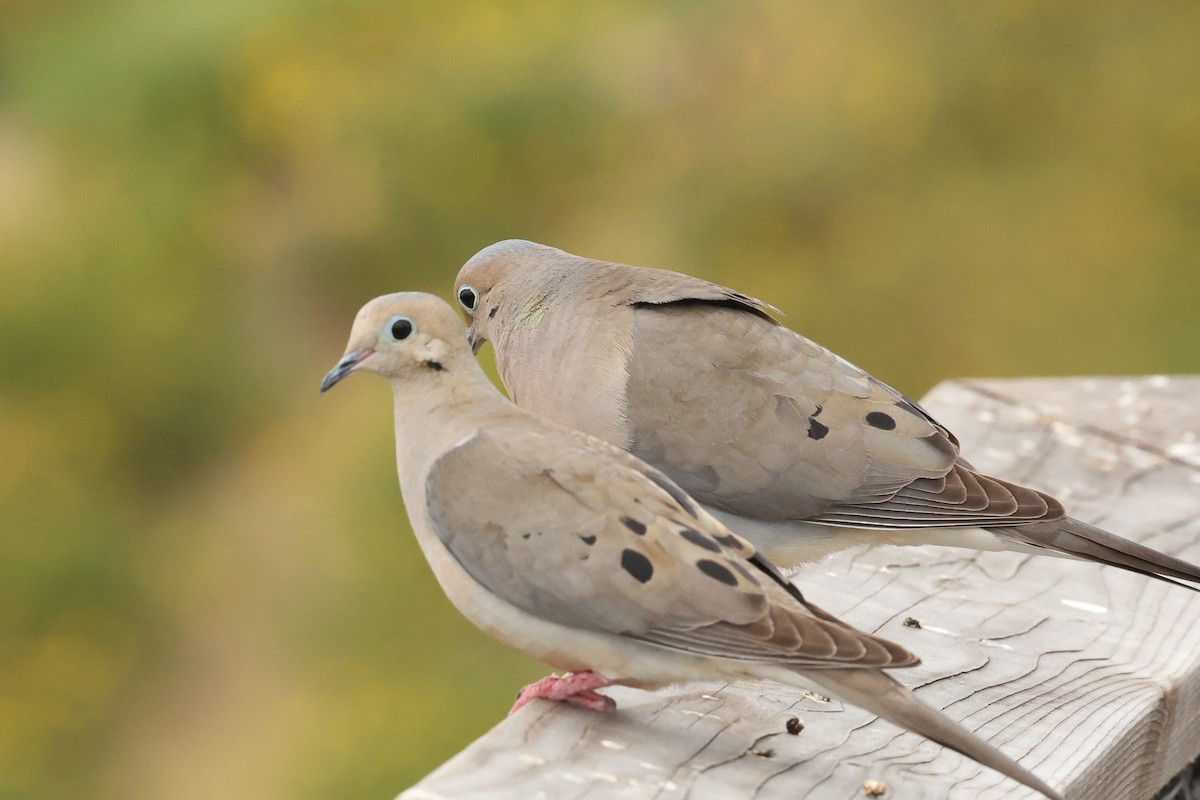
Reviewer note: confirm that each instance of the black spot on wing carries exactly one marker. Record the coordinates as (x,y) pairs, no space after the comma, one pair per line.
(815,429)
(717,571)
(729,541)
(637,565)
(699,539)
(588,540)
(668,486)
(634,525)
(878,419)
(436,366)
(492,313)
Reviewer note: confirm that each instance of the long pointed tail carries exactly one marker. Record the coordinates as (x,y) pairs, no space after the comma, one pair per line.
(1074,538)
(880,694)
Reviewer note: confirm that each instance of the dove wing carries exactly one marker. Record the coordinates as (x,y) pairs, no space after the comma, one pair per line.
(755,419)
(588,537)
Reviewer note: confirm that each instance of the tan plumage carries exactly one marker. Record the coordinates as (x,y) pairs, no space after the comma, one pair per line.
(794,447)
(585,557)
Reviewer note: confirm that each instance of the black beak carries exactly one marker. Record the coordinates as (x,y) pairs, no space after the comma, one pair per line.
(344,368)
(471,340)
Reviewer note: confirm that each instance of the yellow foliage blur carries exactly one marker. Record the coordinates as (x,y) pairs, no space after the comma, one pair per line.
(207,586)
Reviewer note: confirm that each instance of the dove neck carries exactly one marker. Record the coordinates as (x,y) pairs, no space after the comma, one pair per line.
(432,419)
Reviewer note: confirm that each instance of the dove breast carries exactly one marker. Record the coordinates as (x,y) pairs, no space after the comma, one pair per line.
(571,374)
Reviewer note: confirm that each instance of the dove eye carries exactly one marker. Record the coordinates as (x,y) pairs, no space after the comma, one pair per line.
(400,328)
(468,298)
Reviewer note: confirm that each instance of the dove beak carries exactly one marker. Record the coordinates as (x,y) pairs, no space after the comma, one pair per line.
(475,343)
(344,368)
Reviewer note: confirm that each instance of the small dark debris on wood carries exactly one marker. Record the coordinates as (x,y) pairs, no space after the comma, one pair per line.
(793,726)
(912,622)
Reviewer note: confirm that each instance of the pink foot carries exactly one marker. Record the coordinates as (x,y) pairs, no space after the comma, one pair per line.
(574,687)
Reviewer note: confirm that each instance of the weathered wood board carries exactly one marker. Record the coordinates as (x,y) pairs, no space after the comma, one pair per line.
(1090,676)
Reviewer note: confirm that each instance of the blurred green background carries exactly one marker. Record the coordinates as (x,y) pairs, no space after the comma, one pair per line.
(207,585)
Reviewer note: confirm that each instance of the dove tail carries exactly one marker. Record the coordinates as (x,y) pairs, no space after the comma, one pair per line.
(881,695)
(1078,539)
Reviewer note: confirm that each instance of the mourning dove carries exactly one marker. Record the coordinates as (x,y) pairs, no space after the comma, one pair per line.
(786,442)
(580,555)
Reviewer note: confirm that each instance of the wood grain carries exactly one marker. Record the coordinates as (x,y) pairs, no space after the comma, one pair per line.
(1088,675)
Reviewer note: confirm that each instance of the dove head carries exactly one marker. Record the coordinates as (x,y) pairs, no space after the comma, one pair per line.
(404,336)
(514,279)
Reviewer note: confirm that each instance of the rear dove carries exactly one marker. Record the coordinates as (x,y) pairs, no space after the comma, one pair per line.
(580,555)
(786,442)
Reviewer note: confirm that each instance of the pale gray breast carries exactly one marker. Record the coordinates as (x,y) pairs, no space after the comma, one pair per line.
(559,367)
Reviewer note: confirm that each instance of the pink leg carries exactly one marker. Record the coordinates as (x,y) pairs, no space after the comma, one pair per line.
(574,687)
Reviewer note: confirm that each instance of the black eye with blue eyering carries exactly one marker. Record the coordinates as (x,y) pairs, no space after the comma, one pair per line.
(400,328)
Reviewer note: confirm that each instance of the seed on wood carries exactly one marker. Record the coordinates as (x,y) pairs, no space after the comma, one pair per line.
(875,788)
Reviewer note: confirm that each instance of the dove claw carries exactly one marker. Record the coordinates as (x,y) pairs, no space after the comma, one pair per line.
(578,688)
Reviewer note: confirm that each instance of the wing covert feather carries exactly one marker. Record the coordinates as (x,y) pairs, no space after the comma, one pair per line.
(758,420)
(753,418)
(594,542)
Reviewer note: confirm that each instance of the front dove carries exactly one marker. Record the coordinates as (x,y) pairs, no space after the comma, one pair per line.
(585,557)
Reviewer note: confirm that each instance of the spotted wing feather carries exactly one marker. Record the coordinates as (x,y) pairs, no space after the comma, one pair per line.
(603,542)
(762,422)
